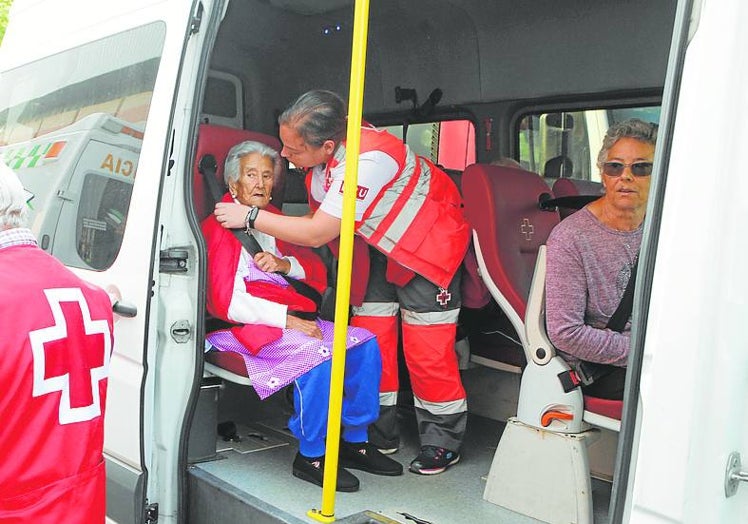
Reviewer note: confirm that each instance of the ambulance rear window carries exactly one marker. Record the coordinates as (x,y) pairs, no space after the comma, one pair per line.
(101,219)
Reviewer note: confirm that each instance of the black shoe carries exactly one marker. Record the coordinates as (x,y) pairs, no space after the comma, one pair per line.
(433,460)
(312,469)
(368,458)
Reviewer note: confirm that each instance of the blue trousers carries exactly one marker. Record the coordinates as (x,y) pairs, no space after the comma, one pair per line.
(363,369)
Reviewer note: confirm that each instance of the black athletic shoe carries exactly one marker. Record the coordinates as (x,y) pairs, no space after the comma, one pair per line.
(433,460)
(312,470)
(366,457)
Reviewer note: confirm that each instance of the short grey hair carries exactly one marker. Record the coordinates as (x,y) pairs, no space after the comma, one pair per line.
(13,208)
(236,153)
(631,128)
(317,116)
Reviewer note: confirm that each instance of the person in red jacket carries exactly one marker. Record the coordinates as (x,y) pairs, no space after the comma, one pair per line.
(56,344)
(409,213)
(278,332)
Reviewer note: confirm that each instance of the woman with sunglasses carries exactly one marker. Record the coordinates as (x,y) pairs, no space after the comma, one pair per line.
(591,255)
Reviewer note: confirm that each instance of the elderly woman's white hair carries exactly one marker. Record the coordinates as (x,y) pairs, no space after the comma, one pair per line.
(12,200)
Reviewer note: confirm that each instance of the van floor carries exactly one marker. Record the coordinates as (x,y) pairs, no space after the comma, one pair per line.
(251,481)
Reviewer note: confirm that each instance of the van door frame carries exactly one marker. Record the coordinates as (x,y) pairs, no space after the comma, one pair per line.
(625,471)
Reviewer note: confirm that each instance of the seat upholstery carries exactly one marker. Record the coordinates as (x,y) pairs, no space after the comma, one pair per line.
(607,408)
(574,187)
(501,204)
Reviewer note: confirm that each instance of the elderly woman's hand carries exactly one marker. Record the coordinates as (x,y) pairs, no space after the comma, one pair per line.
(230,215)
(272,264)
(308,327)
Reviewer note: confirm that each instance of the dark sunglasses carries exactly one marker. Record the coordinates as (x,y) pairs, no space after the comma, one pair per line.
(637,168)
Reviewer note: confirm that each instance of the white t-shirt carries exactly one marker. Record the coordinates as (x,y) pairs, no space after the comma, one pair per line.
(375,170)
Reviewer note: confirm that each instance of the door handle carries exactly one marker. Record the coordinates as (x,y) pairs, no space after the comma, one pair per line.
(734,474)
(124,309)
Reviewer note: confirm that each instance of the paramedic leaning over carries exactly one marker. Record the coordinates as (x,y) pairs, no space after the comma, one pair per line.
(408,212)
(591,255)
(55,346)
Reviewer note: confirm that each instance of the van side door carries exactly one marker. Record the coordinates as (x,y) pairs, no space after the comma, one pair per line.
(116,65)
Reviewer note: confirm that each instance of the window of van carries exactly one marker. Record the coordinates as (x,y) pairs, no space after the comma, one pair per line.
(450,143)
(100,221)
(223,100)
(565,144)
(71,126)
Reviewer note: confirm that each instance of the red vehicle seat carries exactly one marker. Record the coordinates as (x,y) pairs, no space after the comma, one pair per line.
(217,140)
(574,187)
(502,206)
(604,407)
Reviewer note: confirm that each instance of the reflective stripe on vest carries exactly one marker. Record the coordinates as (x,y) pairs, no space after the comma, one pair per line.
(441,408)
(431,318)
(388,218)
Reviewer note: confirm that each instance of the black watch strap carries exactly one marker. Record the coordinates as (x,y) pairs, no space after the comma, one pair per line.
(249,221)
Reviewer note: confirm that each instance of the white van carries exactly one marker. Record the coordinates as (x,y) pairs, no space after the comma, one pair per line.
(135,90)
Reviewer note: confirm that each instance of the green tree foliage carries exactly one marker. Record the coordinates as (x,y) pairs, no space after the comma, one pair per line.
(4,7)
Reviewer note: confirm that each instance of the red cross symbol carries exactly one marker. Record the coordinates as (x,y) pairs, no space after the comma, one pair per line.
(443,297)
(75,374)
(527,229)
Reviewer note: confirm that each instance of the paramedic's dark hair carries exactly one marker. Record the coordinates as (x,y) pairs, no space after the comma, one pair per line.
(235,154)
(317,116)
(632,128)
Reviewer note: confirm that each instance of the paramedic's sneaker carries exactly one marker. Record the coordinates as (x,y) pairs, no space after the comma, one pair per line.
(433,460)
(366,457)
(312,469)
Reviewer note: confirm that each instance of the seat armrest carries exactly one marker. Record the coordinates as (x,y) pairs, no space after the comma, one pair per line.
(539,348)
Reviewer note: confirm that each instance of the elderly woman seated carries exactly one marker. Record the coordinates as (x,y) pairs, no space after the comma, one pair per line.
(591,256)
(277,331)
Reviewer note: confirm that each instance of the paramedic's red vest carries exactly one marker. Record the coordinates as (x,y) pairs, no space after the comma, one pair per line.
(55,346)
(416,219)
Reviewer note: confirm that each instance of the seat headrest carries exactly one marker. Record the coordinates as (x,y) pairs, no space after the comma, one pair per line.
(572,187)
(217,140)
(558,167)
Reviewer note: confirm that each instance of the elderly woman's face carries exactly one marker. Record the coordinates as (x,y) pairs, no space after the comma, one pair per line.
(255,182)
(628,191)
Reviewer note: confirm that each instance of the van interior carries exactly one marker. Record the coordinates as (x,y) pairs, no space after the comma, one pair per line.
(510,98)
(529,82)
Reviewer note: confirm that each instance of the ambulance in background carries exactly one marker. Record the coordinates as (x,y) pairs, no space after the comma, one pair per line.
(80,178)
(104,105)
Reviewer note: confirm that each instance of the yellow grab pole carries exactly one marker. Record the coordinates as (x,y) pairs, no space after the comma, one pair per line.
(342,297)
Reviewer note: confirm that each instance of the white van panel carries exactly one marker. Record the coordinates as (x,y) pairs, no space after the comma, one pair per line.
(695,374)
(144,449)
(92,20)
